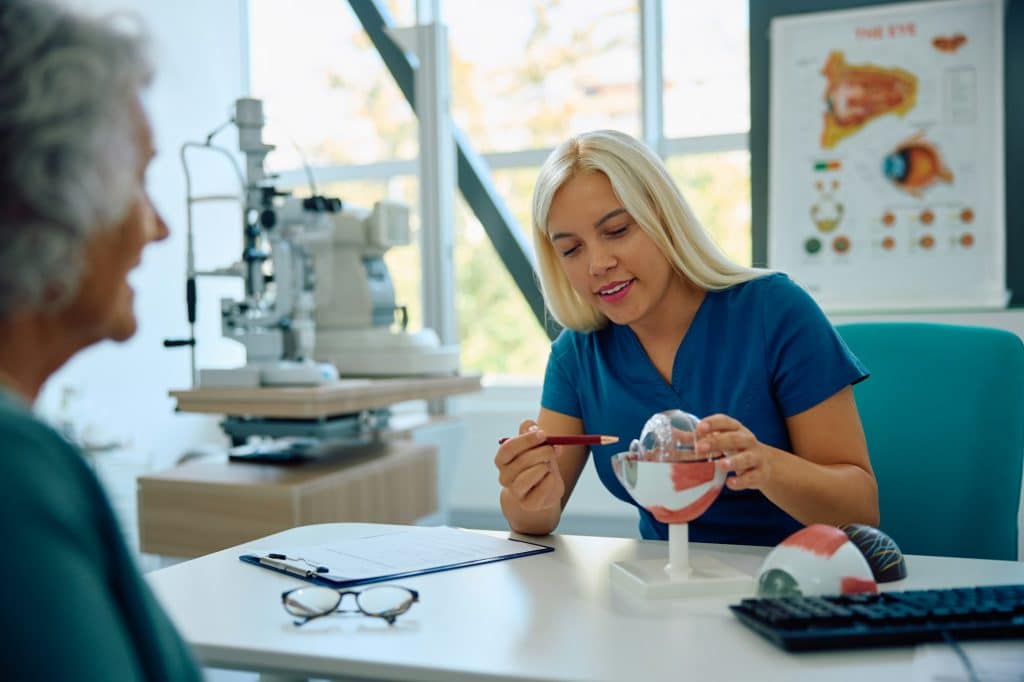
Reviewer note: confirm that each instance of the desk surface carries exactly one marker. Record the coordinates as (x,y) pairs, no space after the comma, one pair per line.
(553,616)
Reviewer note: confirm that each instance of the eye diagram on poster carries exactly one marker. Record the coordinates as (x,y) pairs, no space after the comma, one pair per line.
(886,186)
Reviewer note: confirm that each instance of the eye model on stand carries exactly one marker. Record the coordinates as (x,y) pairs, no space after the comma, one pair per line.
(665,475)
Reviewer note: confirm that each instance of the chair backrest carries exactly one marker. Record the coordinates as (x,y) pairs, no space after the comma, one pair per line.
(943,412)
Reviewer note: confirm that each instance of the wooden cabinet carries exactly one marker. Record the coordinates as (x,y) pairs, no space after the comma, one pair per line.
(201,507)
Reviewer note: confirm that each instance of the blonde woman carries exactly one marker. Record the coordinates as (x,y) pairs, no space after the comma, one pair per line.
(656,317)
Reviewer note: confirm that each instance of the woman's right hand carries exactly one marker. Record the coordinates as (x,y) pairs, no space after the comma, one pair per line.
(528,469)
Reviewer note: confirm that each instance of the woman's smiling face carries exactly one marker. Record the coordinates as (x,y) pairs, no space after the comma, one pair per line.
(609,260)
(103,307)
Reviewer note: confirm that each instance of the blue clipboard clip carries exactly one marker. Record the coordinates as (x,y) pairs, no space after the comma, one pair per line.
(283,562)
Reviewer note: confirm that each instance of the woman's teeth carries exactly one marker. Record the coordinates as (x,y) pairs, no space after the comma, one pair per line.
(614,290)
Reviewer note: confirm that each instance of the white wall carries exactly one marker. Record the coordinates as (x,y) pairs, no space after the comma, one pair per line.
(200,60)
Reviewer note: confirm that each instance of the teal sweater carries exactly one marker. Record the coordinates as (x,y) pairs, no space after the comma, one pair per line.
(72,603)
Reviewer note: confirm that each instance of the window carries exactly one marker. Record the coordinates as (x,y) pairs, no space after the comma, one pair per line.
(326,91)
(529,74)
(717,186)
(706,74)
(498,331)
(706,68)
(524,76)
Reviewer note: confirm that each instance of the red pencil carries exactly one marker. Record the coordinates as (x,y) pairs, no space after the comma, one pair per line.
(581,439)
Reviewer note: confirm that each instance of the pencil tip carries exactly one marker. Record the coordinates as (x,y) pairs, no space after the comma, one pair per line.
(608,440)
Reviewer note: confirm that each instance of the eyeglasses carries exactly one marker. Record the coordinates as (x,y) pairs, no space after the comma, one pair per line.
(381,601)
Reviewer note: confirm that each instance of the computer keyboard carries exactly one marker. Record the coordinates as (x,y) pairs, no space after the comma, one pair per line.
(886,619)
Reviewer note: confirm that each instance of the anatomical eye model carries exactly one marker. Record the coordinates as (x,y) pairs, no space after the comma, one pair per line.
(665,475)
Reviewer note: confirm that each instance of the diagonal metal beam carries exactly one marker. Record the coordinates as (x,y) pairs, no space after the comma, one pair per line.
(474,175)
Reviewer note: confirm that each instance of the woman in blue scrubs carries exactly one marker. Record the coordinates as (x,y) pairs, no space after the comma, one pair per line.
(656,317)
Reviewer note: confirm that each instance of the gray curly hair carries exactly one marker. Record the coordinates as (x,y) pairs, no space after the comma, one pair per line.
(68,139)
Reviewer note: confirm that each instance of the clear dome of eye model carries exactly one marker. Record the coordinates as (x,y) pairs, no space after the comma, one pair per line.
(667,437)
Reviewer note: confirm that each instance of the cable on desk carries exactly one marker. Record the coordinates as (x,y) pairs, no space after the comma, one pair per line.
(972,674)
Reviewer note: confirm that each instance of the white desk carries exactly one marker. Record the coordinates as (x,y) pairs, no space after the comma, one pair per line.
(548,617)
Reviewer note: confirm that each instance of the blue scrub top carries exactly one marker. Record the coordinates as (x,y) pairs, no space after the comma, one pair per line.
(760,352)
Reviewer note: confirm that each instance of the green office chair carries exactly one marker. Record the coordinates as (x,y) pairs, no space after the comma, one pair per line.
(943,412)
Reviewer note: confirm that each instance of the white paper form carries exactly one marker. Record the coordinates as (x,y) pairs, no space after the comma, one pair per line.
(411,550)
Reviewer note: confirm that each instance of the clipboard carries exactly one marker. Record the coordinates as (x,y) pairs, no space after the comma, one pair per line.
(392,555)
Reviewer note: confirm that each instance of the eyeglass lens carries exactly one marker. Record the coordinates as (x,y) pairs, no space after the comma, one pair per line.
(383,601)
(311,601)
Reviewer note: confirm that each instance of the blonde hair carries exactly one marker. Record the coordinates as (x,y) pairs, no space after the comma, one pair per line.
(645,189)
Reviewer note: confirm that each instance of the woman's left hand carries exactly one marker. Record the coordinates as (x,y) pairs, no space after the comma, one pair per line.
(750,459)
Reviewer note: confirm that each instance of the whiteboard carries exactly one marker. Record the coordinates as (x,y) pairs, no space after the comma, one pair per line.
(886,181)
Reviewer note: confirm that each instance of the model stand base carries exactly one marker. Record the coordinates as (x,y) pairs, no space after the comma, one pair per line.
(708,577)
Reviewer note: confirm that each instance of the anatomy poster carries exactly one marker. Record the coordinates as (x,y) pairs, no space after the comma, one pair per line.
(886,173)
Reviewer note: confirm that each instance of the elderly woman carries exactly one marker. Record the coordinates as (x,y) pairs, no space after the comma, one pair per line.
(74,219)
